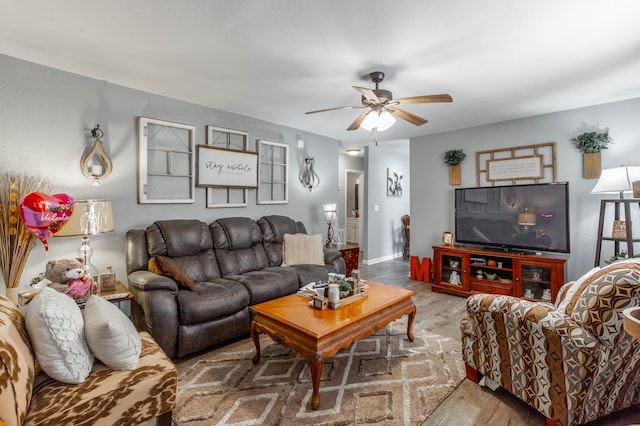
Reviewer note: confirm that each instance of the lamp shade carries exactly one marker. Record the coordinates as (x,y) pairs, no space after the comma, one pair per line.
(90,217)
(329,212)
(380,120)
(617,180)
(527,218)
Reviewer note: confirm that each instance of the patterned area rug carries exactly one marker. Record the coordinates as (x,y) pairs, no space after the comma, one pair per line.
(382,380)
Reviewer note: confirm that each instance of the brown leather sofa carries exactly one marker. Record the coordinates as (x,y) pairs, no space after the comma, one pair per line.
(234,262)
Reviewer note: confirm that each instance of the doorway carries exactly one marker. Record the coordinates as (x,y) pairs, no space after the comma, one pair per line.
(354,206)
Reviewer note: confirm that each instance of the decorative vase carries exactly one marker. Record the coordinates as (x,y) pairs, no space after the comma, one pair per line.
(591,165)
(454,175)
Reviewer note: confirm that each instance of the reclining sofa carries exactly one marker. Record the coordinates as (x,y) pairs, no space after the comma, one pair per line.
(233,263)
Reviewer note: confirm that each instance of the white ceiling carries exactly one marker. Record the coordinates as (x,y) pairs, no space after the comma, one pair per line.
(276,59)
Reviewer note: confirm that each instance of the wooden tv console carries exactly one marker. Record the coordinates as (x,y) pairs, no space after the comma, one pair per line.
(465,271)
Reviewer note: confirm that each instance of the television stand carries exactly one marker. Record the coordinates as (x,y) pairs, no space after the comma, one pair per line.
(464,271)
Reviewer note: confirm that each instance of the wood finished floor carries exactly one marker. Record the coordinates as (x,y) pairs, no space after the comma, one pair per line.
(469,404)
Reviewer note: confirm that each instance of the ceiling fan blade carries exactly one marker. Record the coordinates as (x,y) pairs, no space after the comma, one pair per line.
(336,108)
(368,94)
(411,118)
(358,121)
(422,99)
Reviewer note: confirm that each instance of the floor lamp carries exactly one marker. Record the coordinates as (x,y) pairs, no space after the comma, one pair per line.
(617,180)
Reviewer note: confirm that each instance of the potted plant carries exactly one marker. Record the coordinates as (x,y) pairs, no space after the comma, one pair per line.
(590,144)
(453,158)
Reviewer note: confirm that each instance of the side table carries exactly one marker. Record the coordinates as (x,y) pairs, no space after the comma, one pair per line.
(119,294)
(350,254)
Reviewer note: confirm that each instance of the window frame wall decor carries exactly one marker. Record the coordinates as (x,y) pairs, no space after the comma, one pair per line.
(273,174)
(165,165)
(221,197)
(532,163)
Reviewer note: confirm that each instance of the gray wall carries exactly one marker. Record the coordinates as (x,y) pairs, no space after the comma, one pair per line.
(432,204)
(47,116)
(383,235)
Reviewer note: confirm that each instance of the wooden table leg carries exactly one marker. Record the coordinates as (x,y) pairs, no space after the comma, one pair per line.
(316,362)
(256,341)
(412,316)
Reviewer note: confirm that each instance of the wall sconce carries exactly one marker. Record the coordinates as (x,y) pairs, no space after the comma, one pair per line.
(310,178)
(90,217)
(527,218)
(96,165)
(330,215)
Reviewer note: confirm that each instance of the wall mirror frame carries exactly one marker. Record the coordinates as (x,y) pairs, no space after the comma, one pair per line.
(166,161)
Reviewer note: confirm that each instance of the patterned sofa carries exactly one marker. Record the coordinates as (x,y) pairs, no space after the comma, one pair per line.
(572,360)
(107,397)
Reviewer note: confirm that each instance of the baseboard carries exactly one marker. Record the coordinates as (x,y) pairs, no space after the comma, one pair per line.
(381,259)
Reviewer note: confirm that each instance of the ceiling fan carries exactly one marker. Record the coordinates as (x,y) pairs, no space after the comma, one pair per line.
(382,107)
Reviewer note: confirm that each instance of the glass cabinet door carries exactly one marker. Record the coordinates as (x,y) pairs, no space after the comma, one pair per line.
(452,269)
(535,281)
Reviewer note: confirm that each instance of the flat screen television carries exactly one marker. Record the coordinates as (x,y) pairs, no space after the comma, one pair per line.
(514,217)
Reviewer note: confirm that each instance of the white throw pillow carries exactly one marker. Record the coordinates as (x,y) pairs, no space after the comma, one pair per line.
(56,329)
(302,249)
(111,335)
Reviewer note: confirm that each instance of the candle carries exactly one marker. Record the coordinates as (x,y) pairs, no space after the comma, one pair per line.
(96,170)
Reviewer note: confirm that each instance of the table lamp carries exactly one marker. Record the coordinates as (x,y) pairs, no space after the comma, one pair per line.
(90,217)
(617,180)
(330,215)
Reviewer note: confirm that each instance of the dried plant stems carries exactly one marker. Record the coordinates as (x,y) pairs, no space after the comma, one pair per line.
(16,241)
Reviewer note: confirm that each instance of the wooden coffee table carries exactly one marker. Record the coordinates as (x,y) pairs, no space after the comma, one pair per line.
(319,334)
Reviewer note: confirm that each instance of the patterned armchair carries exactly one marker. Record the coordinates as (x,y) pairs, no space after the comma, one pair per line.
(572,360)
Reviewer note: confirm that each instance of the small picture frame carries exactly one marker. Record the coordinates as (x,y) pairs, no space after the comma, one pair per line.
(447,238)
(107,282)
(619,231)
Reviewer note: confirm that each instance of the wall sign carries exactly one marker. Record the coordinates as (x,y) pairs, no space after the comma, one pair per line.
(517,164)
(515,168)
(227,167)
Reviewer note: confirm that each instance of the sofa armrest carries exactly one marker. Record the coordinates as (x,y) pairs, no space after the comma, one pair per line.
(155,308)
(334,257)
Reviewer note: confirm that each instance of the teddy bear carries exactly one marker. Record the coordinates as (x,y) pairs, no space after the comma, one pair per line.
(67,276)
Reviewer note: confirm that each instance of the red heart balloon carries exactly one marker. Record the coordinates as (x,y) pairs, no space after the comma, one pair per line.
(44,214)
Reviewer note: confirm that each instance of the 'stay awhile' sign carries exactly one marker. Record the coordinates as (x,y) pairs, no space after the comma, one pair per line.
(220,167)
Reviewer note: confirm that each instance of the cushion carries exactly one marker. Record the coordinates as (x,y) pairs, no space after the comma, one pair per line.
(302,249)
(56,328)
(110,335)
(17,364)
(162,265)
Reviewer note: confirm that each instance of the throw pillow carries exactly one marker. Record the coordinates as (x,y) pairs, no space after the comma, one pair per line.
(164,266)
(302,249)
(110,335)
(56,329)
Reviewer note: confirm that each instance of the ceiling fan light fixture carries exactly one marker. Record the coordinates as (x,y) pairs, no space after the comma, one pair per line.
(380,120)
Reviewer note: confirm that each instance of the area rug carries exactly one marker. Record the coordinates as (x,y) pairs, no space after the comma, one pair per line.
(381,380)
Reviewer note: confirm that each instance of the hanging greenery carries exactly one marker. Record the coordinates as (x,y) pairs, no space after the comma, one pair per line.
(590,142)
(453,157)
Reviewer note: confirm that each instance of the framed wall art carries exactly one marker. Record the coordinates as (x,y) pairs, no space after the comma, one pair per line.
(394,183)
